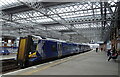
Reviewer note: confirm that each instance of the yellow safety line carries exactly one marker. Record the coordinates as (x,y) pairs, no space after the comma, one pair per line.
(50,65)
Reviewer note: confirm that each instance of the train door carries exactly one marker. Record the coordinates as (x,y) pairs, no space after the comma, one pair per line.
(59,48)
(78,49)
(81,48)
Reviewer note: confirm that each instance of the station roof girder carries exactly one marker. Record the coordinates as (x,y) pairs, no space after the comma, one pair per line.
(61,19)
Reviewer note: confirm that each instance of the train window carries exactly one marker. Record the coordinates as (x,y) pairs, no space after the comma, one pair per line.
(66,48)
(34,46)
(44,47)
(54,48)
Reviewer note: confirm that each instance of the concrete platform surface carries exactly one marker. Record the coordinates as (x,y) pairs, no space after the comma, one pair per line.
(89,63)
(13,55)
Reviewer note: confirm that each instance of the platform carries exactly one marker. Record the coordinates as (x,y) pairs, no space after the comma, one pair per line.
(3,57)
(89,63)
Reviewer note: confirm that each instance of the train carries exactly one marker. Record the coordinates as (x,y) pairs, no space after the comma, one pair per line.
(33,49)
(4,52)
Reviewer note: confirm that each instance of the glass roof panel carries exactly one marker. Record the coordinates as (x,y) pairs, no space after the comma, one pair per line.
(26,15)
(9,3)
(88,25)
(1,20)
(24,21)
(70,12)
(59,28)
(113,9)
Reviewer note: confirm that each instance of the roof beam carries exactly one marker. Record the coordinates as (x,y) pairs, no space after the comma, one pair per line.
(23,8)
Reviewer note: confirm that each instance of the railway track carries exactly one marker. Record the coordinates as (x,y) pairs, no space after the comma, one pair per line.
(8,65)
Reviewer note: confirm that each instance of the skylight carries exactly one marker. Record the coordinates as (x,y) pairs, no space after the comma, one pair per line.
(9,3)
(59,28)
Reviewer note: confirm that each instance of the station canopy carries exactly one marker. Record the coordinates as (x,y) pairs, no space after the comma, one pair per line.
(73,21)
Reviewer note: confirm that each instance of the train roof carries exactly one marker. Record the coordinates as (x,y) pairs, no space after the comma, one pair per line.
(39,37)
(55,40)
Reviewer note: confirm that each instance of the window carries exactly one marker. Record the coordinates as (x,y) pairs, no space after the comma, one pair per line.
(54,48)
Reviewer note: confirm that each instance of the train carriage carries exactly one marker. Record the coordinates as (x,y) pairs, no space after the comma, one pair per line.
(35,49)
